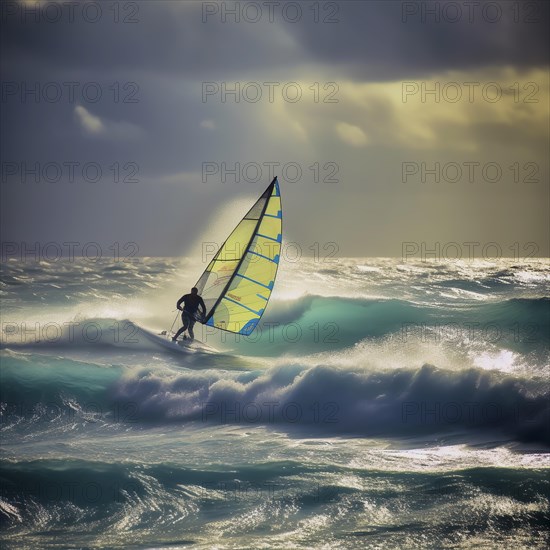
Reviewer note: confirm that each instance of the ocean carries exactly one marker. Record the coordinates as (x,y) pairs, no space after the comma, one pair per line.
(380,403)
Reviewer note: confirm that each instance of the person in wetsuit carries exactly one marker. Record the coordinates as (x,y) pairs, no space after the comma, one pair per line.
(188,313)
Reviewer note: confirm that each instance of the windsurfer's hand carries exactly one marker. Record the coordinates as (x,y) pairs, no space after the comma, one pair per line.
(179,307)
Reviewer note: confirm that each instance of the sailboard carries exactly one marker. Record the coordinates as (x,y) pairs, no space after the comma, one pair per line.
(164,339)
(238,282)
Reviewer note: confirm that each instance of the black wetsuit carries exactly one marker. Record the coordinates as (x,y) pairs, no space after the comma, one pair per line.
(192,303)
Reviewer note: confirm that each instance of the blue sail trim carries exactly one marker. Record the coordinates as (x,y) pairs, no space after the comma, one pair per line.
(245,307)
(279,238)
(274,260)
(249,327)
(269,287)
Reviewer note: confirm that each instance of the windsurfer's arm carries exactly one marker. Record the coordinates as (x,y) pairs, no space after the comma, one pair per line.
(201,303)
(178,305)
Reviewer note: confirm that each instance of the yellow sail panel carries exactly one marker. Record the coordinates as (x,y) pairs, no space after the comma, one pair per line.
(229,316)
(270,227)
(235,246)
(222,268)
(262,246)
(274,206)
(215,279)
(255,281)
(246,292)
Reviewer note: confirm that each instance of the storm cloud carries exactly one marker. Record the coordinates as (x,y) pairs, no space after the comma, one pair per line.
(154,92)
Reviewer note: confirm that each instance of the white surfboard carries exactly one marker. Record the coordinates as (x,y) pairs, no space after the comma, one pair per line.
(185,343)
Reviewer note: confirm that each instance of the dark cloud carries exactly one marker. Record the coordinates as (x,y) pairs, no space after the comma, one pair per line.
(371,40)
(169,37)
(169,52)
(403,40)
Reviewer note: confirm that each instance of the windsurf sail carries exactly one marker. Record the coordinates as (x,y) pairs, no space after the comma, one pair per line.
(238,282)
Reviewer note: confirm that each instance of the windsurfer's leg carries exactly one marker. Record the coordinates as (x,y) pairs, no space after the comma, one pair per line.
(185,322)
(191,325)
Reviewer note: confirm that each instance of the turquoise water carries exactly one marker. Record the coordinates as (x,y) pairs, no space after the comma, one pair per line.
(380,404)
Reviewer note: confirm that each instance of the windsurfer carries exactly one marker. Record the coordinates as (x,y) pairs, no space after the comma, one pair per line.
(189,312)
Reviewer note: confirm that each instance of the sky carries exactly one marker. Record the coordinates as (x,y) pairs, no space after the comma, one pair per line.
(395,128)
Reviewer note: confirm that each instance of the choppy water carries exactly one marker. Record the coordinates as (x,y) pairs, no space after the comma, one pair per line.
(380,404)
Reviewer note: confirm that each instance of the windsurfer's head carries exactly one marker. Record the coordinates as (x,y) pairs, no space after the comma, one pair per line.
(194,290)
